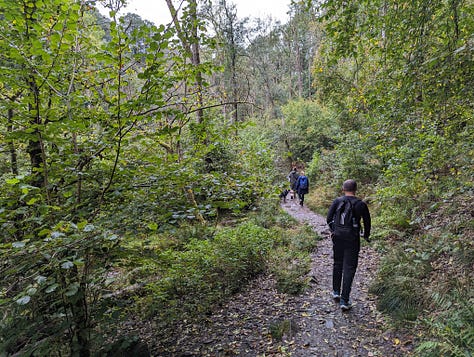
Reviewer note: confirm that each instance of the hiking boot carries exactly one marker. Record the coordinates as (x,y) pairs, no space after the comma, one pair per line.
(345,305)
(336,295)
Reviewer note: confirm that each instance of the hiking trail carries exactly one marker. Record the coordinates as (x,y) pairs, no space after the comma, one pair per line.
(311,324)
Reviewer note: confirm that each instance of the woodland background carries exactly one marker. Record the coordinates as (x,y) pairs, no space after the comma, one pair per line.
(141,165)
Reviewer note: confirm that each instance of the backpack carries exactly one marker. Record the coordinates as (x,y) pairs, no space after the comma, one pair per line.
(303,182)
(344,221)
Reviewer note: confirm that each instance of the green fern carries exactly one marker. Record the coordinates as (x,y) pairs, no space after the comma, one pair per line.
(452,332)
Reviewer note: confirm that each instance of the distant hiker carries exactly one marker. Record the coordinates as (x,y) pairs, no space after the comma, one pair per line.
(302,187)
(344,218)
(292,177)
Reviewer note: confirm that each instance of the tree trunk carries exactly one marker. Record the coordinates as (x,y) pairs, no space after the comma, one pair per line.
(11,146)
(191,45)
(196,59)
(299,69)
(34,149)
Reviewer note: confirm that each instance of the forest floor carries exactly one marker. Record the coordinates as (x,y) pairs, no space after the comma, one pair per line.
(259,321)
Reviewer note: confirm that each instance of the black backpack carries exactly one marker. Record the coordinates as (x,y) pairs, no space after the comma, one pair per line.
(344,222)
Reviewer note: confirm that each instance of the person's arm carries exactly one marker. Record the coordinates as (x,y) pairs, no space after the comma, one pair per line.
(330,215)
(365,214)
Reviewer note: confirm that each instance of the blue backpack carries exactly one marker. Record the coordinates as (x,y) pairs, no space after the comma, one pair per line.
(303,182)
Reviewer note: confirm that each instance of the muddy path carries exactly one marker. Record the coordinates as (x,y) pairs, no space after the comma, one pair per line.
(311,324)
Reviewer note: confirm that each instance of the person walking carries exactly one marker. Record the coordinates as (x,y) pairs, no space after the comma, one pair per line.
(302,187)
(344,218)
(293,177)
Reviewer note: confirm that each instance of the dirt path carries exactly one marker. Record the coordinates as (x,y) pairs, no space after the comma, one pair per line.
(327,331)
(311,324)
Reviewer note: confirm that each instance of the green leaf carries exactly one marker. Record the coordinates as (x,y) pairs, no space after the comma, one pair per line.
(31,201)
(152,226)
(18,244)
(44,232)
(40,279)
(67,265)
(32,290)
(67,194)
(23,300)
(112,237)
(89,228)
(51,288)
(72,289)
(12,181)
(79,262)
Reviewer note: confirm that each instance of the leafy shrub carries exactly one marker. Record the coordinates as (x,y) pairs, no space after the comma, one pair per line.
(428,276)
(290,269)
(452,329)
(399,285)
(54,304)
(309,127)
(270,215)
(208,270)
(304,239)
(290,261)
(355,159)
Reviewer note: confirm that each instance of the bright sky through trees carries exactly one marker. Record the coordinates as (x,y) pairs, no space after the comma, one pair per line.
(157,11)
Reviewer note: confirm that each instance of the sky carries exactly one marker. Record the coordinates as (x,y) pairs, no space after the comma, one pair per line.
(156,10)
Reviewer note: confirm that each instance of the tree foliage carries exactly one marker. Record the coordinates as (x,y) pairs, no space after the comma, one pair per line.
(123,143)
(102,145)
(400,74)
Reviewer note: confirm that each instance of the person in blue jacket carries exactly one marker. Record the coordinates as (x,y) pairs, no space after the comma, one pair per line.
(302,187)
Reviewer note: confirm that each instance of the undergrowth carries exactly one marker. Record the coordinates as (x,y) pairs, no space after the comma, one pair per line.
(185,275)
(426,276)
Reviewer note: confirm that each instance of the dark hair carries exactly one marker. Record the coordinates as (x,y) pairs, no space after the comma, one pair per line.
(349,186)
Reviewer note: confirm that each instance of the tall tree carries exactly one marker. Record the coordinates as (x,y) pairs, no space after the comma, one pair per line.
(187,31)
(230,34)
(302,35)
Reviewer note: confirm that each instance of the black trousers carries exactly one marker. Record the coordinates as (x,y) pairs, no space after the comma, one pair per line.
(301,197)
(346,258)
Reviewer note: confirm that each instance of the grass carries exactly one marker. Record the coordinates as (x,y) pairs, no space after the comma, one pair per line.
(426,277)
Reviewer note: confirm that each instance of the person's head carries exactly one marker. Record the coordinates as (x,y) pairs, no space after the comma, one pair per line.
(302,173)
(349,186)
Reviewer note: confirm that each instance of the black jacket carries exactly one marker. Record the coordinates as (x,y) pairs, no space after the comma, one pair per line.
(361,211)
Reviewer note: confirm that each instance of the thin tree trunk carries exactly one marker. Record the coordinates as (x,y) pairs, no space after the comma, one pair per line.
(191,45)
(196,59)
(299,68)
(34,149)
(13,156)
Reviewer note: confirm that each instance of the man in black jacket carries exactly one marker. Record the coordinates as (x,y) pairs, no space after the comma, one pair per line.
(346,245)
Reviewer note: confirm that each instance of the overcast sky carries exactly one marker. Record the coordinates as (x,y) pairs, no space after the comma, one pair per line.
(156,10)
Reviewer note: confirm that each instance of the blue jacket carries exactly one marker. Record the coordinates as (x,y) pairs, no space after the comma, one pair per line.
(299,189)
